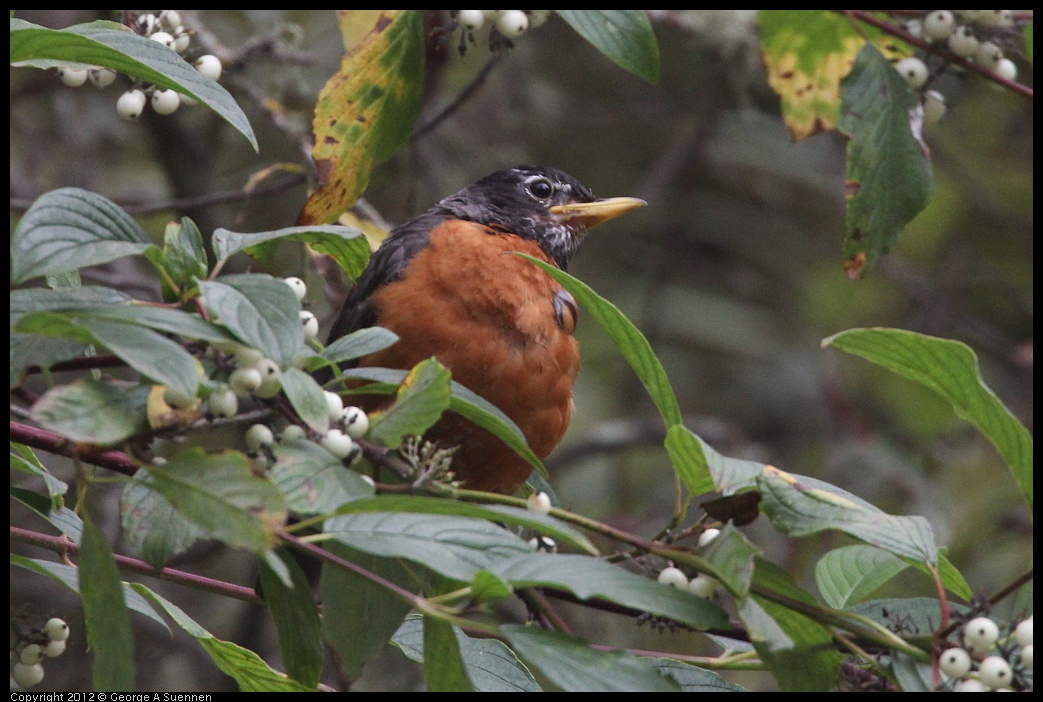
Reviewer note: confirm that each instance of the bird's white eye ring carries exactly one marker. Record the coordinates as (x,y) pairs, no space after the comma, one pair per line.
(539,188)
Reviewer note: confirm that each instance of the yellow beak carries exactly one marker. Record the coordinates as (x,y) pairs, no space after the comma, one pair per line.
(590,214)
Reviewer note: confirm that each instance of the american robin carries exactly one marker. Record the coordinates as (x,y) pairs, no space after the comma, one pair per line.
(448,285)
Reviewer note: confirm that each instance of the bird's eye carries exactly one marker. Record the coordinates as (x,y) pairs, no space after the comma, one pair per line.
(540,188)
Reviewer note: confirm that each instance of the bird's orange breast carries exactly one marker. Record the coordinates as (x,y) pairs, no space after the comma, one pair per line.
(499,324)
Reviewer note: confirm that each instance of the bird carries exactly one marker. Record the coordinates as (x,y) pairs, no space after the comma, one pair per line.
(447,283)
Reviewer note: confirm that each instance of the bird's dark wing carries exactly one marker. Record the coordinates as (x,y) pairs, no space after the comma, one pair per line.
(385,266)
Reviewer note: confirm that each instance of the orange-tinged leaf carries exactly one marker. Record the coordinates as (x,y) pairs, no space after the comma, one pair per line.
(365,111)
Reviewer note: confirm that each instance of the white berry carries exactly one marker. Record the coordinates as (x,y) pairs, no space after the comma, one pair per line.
(209,66)
(244,381)
(994,18)
(970,685)
(471,20)
(270,382)
(354,422)
(27,675)
(955,662)
(938,25)
(31,654)
(980,633)
(988,54)
(539,502)
(224,403)
(257,436)
(310,324)
(181,42)
(708,536)
(73,77)
(170,18)
(962,42)
(54,649)
(164,38)
(101,77)
(297,285)
(673,577)
(512,23)
(913,70)
(703,586)
(165,102)
(291,432)
(338,443)
(994,671)
(335,404)
(1023,632)
(56,629)
(933,107)
(1006,69)
(130,104)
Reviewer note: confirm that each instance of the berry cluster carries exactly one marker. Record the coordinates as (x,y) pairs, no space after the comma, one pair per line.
(701,585)
(165,28)
(31,649)
(503,25)
(978,36)
(986,661)
(248,374)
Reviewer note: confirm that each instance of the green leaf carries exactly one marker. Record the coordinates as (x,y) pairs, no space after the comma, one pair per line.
(23,459)
(468,405)
(444,669)
(184,256)
(456,547)
(243,665)
(149,353)
(687,454)
(220,493)
(62,518)
(359,615)
(109,633)
(513,516)
(798,651)
(69,576)
(366,111)
(799,510)
(359,343)
(889,177)
(154,528)
(639,354)
(313,480)
(624,36)
(44,299)
(70,228)
(693,678)
(307,398)
(573,666)
(422,398)
(261,311)
(90,411)
(348,247)
(592,578)
(732,557)
(950,368)
(918,615)
(296,621)
(114,46)
(161,319)
(849,574)
(491,666)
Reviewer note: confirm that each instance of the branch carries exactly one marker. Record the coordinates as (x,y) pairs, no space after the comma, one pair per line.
(61,545)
